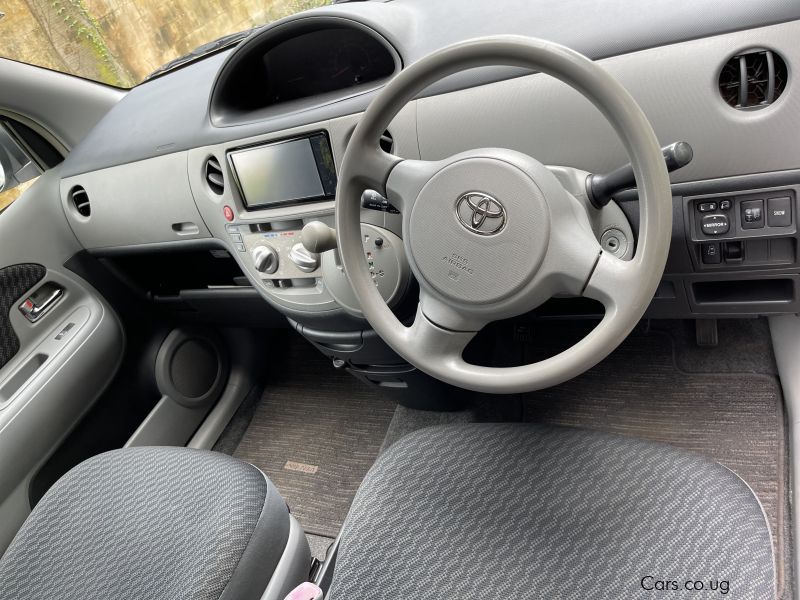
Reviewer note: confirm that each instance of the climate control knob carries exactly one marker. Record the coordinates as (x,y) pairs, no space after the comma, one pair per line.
(265,259)
(304,259)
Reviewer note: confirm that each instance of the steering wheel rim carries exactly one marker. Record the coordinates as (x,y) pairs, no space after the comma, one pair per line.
(443,325)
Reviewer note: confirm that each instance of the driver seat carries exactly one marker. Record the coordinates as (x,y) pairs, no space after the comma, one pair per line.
(522,511)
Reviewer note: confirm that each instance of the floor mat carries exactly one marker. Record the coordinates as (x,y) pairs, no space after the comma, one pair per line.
(315,432)
(647,389)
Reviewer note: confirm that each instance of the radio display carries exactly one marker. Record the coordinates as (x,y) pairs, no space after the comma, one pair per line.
(287,172)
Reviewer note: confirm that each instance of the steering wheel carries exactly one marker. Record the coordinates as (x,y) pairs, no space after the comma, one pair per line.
(491,233)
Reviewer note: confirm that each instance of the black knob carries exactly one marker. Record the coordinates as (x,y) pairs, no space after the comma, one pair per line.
(378,242)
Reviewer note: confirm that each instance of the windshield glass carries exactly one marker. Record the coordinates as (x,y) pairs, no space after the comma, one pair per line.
(121,42)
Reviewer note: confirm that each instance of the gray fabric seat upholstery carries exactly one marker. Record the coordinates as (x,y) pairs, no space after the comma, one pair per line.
(156,523)
(518,511)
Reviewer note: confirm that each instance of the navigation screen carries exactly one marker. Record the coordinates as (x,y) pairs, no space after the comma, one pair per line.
(287,172)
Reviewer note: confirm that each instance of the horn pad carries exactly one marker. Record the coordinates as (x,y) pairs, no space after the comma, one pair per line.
(479,230)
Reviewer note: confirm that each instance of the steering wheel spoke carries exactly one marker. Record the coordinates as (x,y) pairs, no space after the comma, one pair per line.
(406,180)
(373,170)
(439,342)
(573,250)
(612,282)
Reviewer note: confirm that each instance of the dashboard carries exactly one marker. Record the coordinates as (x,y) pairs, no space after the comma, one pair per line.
(250,157)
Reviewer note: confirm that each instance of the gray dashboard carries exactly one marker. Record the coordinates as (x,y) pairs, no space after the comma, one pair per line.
(170,113)
(144,166)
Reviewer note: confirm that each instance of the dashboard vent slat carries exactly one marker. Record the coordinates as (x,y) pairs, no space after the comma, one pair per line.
(214,176)
(753,80)
(80,200)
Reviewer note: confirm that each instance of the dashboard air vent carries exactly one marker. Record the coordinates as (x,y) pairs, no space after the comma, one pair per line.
(214,177)
(387,142)
(753,80)
(80,200)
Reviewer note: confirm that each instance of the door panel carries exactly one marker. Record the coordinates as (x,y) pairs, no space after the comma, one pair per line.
(15,280)
(51,370)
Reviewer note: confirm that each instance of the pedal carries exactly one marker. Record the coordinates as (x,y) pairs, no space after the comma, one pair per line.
(706,333)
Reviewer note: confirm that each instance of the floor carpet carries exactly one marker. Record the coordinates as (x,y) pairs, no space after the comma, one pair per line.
(315,432)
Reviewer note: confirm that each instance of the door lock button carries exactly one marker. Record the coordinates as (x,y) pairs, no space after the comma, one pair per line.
(779,212)
(715,224)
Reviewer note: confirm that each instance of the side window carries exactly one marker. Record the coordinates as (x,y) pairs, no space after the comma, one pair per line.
(18,170)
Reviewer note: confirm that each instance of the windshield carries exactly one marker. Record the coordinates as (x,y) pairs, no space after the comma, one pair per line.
(121,43)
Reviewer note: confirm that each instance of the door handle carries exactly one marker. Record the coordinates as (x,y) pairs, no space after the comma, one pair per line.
(42,300)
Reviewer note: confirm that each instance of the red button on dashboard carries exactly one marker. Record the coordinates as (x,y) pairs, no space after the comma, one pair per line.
(228,212)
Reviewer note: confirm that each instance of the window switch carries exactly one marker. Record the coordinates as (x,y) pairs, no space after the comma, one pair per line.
(779,212)
(711,254)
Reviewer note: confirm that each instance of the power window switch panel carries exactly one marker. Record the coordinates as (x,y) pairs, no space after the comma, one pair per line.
(710,253)
(752,214)
(779,212)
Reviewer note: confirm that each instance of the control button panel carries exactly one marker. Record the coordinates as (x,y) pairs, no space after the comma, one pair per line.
(236,237)
(274,254)
(743,215)
(748,229)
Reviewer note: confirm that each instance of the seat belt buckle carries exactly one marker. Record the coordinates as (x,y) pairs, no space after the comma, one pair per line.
(305,591)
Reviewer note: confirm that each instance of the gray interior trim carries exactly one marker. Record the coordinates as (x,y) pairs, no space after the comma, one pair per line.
(51,400)
(139,203)
(64,107)
(324,575)
(723,185)
(293,567)
(168,424)
(168,120)
(240,381)
(677,88)
(785,330)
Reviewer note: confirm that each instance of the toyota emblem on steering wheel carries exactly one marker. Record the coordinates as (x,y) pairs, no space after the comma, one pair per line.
(481,213)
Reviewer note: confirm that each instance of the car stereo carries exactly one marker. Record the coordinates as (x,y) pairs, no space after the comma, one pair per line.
(292,171)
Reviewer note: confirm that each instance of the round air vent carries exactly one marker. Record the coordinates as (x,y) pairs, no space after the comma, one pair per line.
(214,176)
(753,80)
(387,142)
(80,200)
